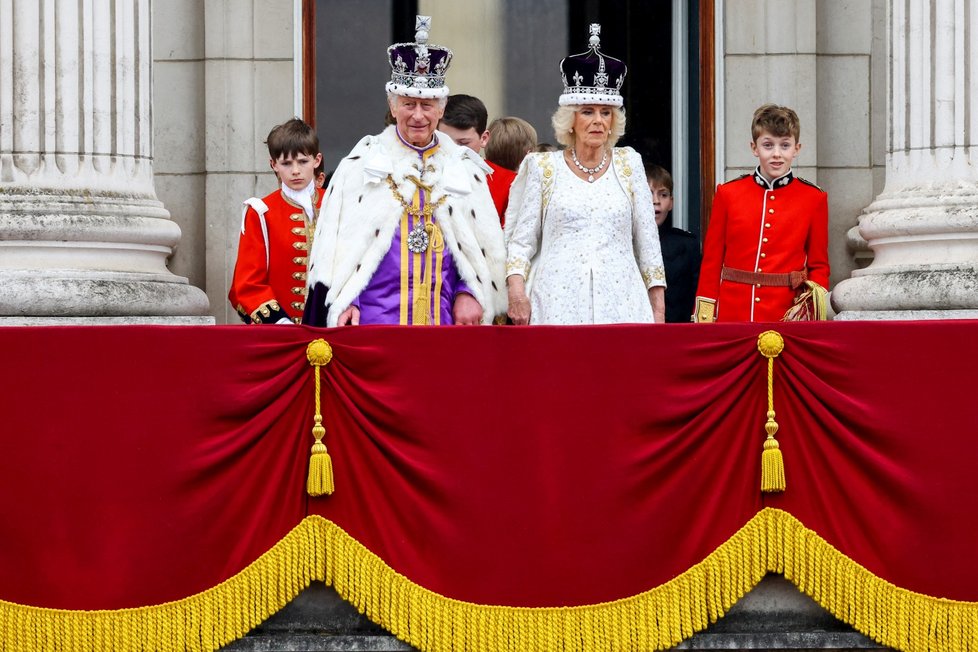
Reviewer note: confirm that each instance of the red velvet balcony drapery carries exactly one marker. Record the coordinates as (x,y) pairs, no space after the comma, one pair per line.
(485,468)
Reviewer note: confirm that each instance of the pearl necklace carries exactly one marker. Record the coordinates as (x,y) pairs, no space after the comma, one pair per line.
(590,172)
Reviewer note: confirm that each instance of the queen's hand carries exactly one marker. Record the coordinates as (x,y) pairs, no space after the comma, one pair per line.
(657,297)
(519,303)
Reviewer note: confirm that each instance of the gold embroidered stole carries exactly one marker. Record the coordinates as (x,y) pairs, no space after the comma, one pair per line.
(420,269)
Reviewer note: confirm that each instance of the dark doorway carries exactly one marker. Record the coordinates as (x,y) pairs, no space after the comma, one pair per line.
(642,33)
(639,32)
(351,68)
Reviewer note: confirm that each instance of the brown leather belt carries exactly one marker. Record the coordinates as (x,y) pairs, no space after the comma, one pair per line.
(791,279)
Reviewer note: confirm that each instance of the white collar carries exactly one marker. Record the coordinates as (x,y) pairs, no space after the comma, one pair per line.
(302,197)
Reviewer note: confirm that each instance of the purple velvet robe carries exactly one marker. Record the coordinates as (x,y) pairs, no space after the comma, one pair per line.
(380,301)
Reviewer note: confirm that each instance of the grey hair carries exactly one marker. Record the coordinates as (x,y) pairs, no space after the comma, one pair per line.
(563,120)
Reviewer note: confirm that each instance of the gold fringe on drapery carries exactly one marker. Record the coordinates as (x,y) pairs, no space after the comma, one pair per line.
(773,541)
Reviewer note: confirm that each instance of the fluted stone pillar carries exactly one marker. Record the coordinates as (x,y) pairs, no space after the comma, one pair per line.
(83,237)
(923,227)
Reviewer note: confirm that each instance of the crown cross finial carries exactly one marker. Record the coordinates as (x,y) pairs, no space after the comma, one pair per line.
(422,25)
(595,31)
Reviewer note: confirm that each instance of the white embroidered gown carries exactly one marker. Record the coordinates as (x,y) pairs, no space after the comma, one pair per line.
(591,256)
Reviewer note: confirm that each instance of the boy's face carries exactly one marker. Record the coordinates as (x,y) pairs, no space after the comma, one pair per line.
(775,153)
(466,137)
(296,170)
(662,201)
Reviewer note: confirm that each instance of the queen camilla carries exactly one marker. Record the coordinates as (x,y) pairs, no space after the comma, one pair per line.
(581,239)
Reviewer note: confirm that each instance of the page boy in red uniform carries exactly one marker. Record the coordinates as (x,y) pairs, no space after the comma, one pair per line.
(465,123)
(768,231)
(269,284)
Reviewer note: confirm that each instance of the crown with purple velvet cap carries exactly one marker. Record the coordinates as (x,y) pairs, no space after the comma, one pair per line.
(418,69)
(592,77)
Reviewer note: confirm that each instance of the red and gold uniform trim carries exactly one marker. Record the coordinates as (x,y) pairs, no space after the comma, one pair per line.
(269,280)
(758,227)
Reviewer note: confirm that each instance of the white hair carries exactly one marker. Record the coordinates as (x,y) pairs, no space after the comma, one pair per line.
(563,123)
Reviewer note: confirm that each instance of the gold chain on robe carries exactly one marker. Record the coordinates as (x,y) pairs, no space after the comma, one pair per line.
(423,265)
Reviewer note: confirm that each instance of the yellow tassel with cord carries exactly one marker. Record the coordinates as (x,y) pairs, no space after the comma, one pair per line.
(320,481)
(771,344)
(772,462)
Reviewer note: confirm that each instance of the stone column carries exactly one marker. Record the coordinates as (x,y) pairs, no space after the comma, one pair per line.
(923,227)
(82,236)
(248,89)
(769,55)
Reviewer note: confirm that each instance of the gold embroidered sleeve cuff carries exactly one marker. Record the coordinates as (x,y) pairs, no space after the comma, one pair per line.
(520,266)
(654,276)
(706,311)
(268,313)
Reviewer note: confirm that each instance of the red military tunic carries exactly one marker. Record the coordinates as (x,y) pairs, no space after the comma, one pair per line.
(270,274)
(499,182)
(770,228)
